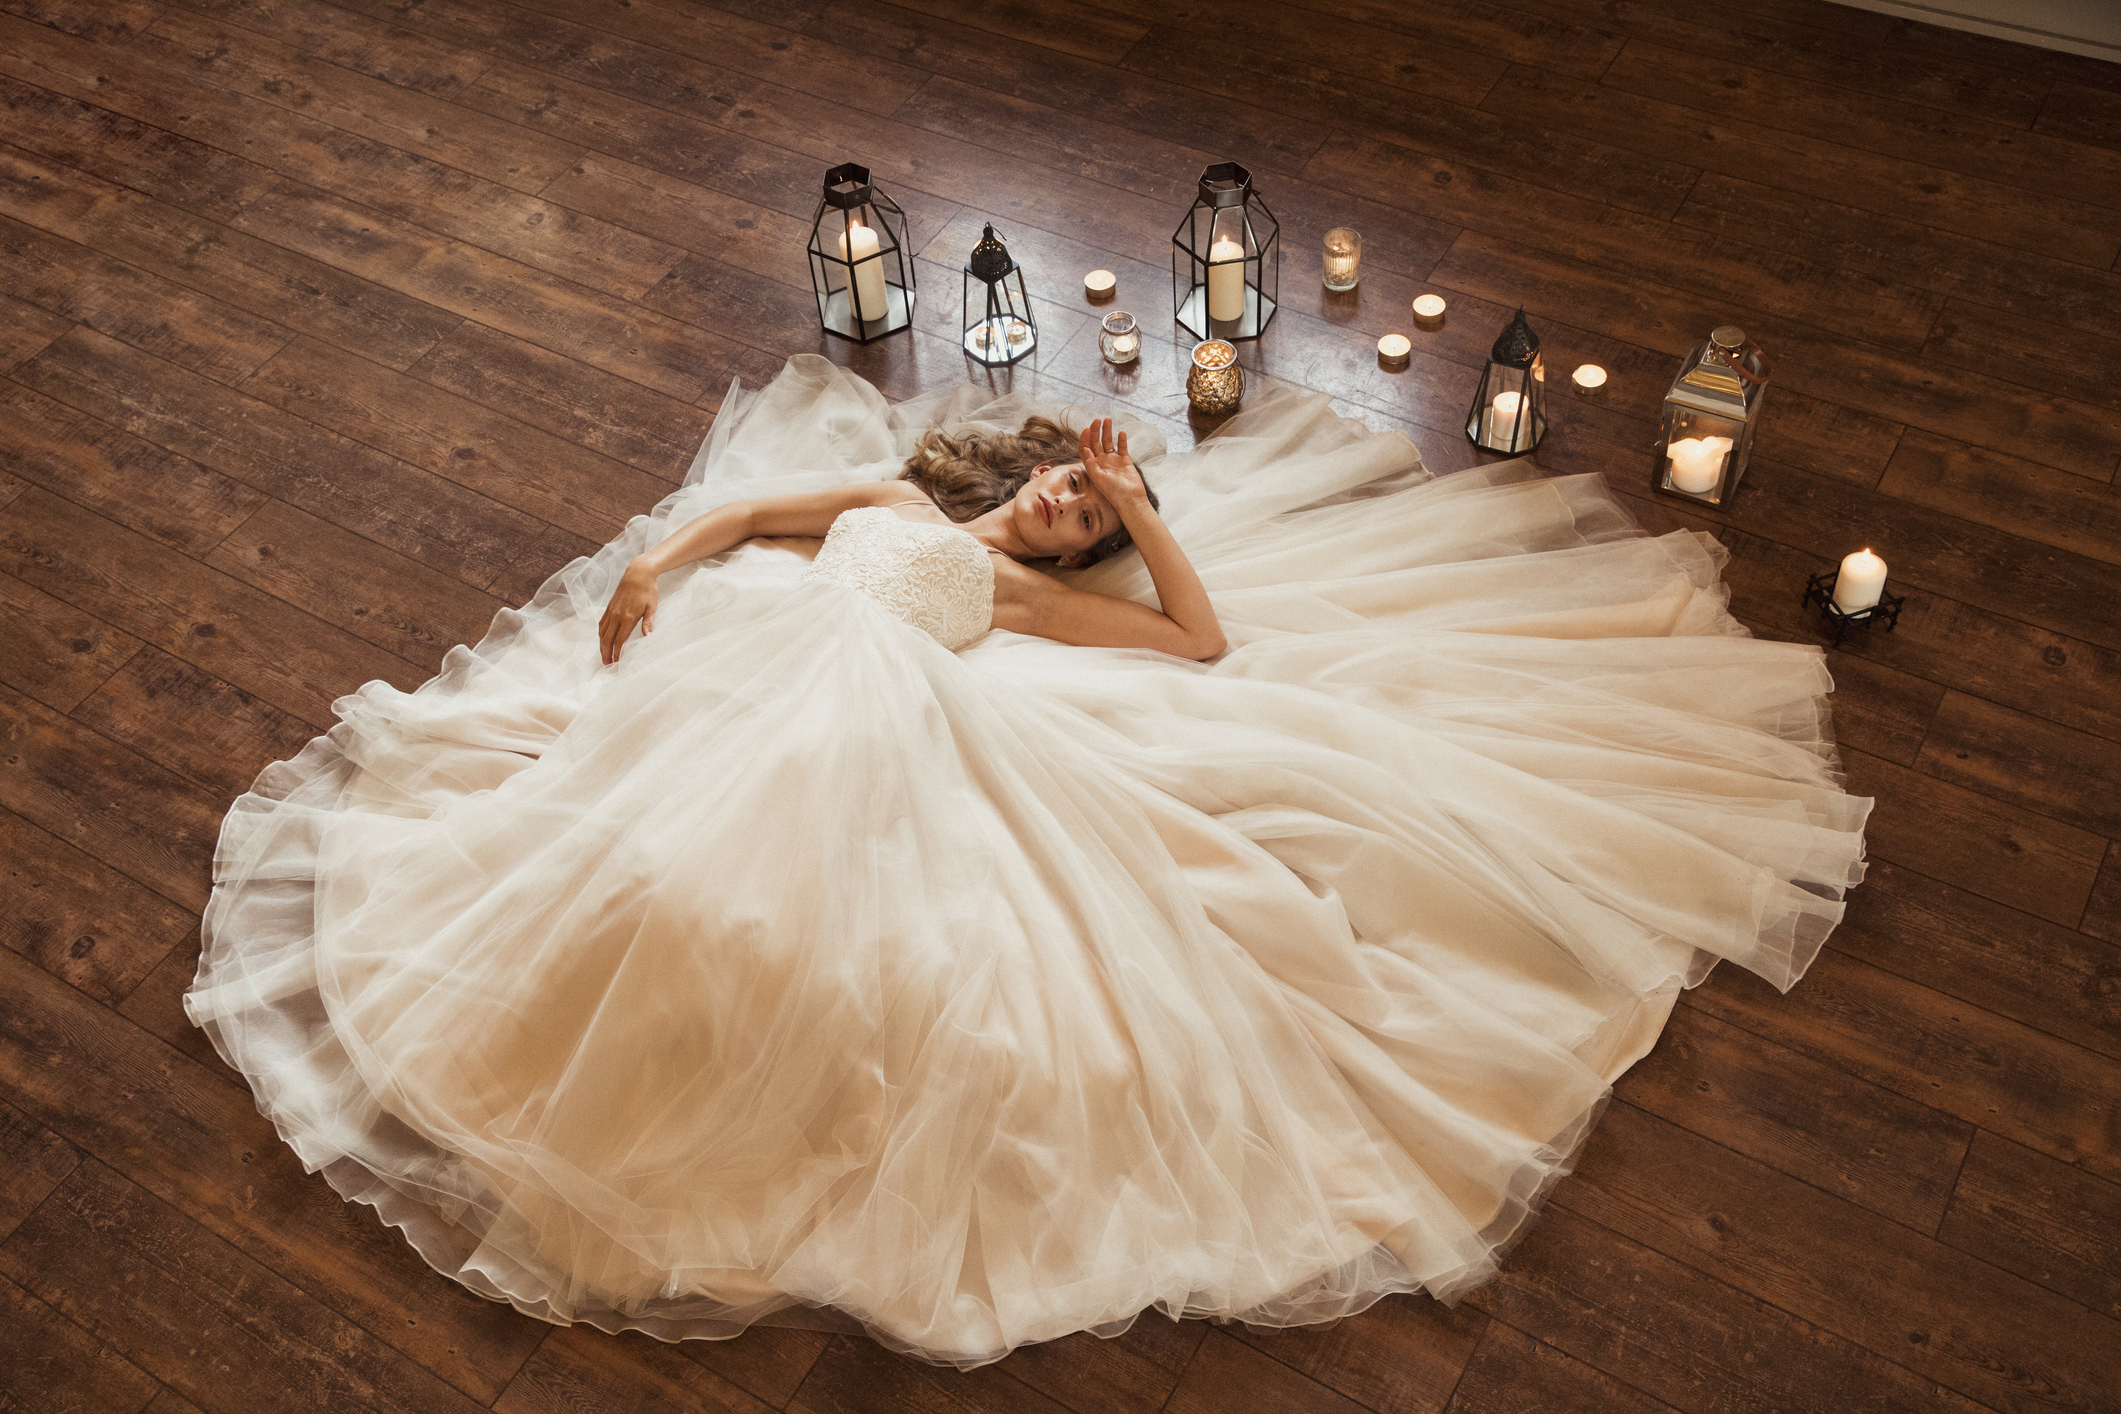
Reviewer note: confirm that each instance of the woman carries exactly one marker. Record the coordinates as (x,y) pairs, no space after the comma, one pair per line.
(784,964)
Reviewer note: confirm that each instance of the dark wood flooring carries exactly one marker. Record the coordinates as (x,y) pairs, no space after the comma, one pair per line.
(328,327)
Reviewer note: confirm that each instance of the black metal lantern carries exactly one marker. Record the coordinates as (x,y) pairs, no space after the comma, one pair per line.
(998,325)
(1709,418)
(1510,410)
(860,266)
(1226,259)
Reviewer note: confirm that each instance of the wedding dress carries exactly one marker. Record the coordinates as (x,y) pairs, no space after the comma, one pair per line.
(798,968)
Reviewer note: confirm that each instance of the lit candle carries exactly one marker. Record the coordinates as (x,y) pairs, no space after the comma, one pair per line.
(1393,348)
(1226,283)
(1343,258)
(1428,311)
(1126,348)
(1588,378)
(1697,462)
(1860,584)
(1099,284)
(857,243)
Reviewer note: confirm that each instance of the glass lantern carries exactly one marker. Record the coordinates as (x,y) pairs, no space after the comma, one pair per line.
(1709,417)
(1119,339)
(998,325)
(1510,410)
(859,262)
(1226,259)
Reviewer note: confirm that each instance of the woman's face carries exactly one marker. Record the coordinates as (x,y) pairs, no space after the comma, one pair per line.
(1059,513)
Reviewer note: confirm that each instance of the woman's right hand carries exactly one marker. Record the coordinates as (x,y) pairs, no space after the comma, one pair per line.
(632,604)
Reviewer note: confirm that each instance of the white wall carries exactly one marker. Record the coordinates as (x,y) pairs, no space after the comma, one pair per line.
(2077,26)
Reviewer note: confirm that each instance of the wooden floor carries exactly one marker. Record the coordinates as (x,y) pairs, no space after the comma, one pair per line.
(329,327)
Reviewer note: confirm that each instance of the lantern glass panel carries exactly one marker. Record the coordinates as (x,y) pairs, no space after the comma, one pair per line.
(860,269)
(1710,416)
(1226,259)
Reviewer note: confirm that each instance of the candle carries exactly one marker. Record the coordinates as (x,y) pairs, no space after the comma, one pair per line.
(1226,283)
(858,243)
(1393,348)
(1428,311)
(1019,332)
(1860,584)
(1697,463)
(1588,378)
(1343,258)
(1099,284)
(1126,348)
(1119,337)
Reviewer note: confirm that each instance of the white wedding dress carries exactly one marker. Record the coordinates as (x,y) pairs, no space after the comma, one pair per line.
(801,969)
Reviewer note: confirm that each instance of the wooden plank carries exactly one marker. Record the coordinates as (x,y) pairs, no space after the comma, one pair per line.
(415,512)
(226,1333)
(1803,1118)
(546,476)
(1265,73)
(2012,756)
(116,806)
(1946,1316)
(199,1145)
(1881,710)
(1141,103)
(26,328)
(397,604)
(1996,849)
(2020,349)
(581,1370)
(77,132)
(1511,1372)
(2049,977)
(81,920)
(156,1006)
(1817,168)
(2102,914)
(827,66)
(1953,138)
(2076,513)
(241,270)
(37,1160)
(2045,1221)
(52,1363)
(1228,1374)
(1562,45)
(1069,26)
(855,1375)
(192,330)
(212,734)
(55,653)
(162,495)
(1998,1074)
(1971,407)
(768,1361)
(246,62)
(243,637)
(1684,1337)
(1405,1353)
(171,1402)
(604,413)
(104,21)
(689,216)
(2079,114)
(1132,1373)
(1965,267)
(378,49)
(586,324)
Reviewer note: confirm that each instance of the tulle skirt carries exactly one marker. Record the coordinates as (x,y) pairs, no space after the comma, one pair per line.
(796,969)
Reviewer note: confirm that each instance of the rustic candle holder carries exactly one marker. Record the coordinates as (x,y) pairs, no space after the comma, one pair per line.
(1819,590)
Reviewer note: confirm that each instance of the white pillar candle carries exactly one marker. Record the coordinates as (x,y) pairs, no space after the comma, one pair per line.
(1226,283)
(1697,463)
(1860,584)
(857,243)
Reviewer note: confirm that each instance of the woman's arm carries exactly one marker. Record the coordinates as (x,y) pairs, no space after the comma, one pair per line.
(1187,627)
(633,601)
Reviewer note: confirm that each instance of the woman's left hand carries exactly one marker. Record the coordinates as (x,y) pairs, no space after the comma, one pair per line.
(1110,469)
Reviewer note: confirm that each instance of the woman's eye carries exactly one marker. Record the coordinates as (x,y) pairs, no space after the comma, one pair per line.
(1071,482)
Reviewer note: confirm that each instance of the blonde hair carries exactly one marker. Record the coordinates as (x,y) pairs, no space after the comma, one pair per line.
(970,473)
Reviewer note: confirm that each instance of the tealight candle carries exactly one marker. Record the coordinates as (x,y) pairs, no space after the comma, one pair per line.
(1860,584)
(1697,463)
(1589,379)
(1019,332)
(1394,348)
(1099,284)
(1428,311)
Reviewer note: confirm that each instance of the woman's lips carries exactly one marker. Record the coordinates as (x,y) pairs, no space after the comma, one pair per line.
(1045,511)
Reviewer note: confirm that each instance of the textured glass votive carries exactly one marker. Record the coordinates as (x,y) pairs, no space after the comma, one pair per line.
(1118,338)
(1343,258)
(1216,384)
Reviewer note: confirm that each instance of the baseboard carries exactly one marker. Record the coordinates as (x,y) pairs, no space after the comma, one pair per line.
(2089,27)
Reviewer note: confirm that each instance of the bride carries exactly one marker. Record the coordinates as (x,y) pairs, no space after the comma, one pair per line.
(909,938)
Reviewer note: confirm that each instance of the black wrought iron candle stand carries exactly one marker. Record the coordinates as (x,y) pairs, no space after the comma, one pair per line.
(1820,590)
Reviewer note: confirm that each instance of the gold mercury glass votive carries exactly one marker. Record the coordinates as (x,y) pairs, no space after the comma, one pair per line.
(1216,384)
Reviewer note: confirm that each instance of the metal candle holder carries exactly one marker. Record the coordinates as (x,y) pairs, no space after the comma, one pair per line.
(1819,590)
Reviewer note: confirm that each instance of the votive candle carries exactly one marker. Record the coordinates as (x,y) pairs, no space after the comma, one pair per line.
(1342,261)
(1394,348)
(1861,582)
(1589,379)
(1428,311)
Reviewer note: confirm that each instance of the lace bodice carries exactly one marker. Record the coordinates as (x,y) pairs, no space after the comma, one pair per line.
(935,577)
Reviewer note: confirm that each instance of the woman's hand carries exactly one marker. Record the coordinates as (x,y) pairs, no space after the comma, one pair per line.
(632,603)
(1111,470)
